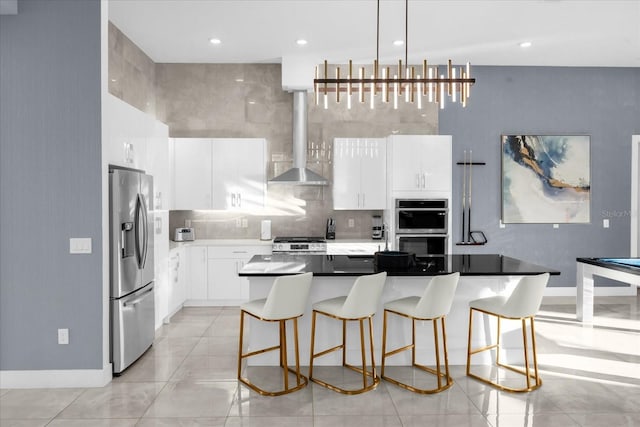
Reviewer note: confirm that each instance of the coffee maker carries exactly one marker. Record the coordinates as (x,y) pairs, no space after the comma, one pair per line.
(377,231)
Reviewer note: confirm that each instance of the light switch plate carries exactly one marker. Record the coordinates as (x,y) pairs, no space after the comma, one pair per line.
(80,245)
(605,223)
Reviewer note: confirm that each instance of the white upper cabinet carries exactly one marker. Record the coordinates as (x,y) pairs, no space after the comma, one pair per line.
(192,174)
(227,173)
(420,163)
(359,173)
(239,173)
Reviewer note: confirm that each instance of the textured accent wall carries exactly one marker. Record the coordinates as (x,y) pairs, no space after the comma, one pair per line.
(132,74)
(50,185)
(601,102)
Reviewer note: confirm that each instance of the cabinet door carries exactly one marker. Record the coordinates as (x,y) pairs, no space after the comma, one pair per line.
(158,165)
(192,174)
(437,163)
(373,173)
(197,272)
(239,173)
(224,282)
(177,282)
(346,174)
(406,162)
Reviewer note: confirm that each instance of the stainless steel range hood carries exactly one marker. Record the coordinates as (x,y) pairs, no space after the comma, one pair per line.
(299,174)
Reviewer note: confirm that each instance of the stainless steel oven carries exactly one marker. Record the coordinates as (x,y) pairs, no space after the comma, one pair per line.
(422,226)
(422,244)
(419,216)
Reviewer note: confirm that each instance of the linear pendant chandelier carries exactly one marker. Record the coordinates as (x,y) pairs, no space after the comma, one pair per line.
(394,82)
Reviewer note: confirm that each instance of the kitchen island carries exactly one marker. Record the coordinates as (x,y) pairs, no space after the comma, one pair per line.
(481,276)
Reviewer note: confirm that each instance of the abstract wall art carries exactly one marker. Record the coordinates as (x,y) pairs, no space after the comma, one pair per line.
(546,179)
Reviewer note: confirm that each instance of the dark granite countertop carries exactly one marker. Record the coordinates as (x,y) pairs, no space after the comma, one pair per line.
(356,265)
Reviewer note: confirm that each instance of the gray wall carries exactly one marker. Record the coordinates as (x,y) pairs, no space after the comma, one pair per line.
(50,185)
(601,102)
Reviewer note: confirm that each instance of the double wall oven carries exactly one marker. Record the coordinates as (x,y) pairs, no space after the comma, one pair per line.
(422,226)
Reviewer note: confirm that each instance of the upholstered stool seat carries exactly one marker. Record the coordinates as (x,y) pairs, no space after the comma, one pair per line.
(434,305)
(287,300)
(361,303)
(522,304)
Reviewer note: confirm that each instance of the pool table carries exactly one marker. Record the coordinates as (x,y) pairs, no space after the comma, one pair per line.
(625,270)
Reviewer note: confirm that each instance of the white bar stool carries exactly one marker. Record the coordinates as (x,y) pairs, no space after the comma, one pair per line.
(434,304)
(361,303)
(522,304)
(287,300)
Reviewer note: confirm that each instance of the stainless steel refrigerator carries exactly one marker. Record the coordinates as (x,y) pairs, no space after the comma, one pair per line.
(131,263)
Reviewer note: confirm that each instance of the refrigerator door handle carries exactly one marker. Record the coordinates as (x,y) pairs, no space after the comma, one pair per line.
(138,231)
(145,230)
(137,300)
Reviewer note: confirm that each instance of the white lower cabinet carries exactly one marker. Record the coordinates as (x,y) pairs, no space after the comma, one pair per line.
(177,280)
(196,273)
(213,274)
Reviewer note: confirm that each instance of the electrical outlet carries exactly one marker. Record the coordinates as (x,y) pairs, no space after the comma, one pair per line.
(605,223)
(63,336)
(556,225)
(245,222)
(238,222)
(351,223)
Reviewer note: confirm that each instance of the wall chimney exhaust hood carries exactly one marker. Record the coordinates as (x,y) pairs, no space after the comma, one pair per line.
(299,174)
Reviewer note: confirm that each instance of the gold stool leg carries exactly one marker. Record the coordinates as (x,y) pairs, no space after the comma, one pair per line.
(301,380)
(525,371)
(438,369)
(363,370)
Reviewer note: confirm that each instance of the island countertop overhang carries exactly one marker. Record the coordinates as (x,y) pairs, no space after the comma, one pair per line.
(349,265)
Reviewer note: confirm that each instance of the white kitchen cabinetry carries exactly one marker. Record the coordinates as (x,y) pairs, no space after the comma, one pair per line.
(177,280)
(212,273)
(420,164)
(192,173)
(359,173)
(239,173)
(225,287)
(220,173)
(126,132)
(196,274)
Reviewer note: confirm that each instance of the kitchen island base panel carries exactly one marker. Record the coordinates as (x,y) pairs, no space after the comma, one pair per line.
(399,334)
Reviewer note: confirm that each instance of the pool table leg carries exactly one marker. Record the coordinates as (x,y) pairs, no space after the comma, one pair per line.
(584,297)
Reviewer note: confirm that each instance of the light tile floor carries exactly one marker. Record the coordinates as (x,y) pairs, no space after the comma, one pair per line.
(188,378)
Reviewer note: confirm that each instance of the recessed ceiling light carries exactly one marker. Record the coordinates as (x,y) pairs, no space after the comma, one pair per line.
(398,42)
(239,79)
(525,44)
(252,102)
(215,41)
(301,42)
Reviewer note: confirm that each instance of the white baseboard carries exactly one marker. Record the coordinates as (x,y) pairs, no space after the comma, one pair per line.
(600,291)
(63,378)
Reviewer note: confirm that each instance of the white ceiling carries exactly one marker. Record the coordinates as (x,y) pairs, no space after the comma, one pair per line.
(563,32)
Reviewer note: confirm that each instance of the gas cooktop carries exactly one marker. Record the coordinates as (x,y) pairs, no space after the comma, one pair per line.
(317,245)
(299,239)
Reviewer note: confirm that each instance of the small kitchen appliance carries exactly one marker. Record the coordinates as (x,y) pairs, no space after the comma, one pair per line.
(299,245)
(376,228)
(331,229)
(185,234)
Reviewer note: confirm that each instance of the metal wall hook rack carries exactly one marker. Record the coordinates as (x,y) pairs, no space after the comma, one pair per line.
(469,237)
